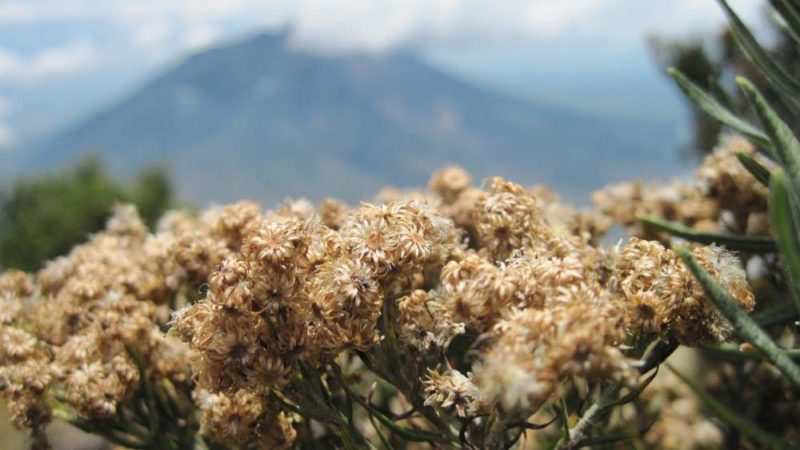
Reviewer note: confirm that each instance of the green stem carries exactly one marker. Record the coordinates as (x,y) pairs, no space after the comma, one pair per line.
(115,436)
(574,437)
(590,417)
(497,431)
(405,433)
(350,440)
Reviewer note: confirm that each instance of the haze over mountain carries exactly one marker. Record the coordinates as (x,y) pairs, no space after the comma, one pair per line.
(258,119)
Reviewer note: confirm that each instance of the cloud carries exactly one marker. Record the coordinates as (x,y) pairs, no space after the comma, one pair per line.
(384,24)
(680,16)
(372,25)
(201,36)
(109,45)
(69,59)
(8,136)
(152,34)
(333,24)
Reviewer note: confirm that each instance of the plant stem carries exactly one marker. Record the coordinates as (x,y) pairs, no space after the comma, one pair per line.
(585,424)
(494,439)
(608,399)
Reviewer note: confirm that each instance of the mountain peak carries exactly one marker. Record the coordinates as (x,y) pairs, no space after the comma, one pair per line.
(258,119)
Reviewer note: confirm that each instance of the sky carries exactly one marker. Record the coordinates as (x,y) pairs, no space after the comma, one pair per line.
(62,59)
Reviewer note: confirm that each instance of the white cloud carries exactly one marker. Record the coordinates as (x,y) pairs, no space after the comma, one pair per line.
(152,34)
(201,36)
(680,16)
(382,24)
(71,58)
(8,136)
(371,24)
(121,40)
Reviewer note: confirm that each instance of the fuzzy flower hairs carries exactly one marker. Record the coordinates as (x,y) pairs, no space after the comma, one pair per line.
(448,315)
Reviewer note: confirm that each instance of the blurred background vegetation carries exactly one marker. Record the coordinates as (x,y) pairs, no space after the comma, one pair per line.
(713,62)
(43,216)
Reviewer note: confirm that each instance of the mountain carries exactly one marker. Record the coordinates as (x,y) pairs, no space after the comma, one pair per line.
(259,119)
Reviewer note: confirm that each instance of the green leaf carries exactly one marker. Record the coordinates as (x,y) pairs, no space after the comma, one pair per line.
(785,146)
(718,92)
(779,313)
(732,418)
(379,432)
(633,394)
(756,169)
(745,327)
(408,434)
(783,25)
(772,71)
(790,14)
(658,354)
(782,222)
(711,106)
(753,244)
(563,415)
(734,350)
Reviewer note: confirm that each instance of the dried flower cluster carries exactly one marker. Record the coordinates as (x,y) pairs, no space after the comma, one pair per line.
(243,419)
(86,332)
(723,196)
(468,301)
(665,296)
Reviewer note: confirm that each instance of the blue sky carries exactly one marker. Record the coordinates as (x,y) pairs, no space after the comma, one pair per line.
(61,59)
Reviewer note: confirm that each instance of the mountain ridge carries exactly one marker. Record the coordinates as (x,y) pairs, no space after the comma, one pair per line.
(258,119)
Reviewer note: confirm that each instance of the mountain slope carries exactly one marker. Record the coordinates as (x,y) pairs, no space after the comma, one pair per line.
(259,120)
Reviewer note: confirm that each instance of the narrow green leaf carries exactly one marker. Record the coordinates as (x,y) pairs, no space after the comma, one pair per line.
(658,354)
(379,432)
(409,434)
(634,393)
(790,13)
(786,147)
(718,92)
(745,327)
(754,244)
(782,222)
(711,106)
(564,416)
(781,21)
(405,433)
(756,169)
(734,350)
(752,50)
(742,424)
(793,353)
(779,313)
